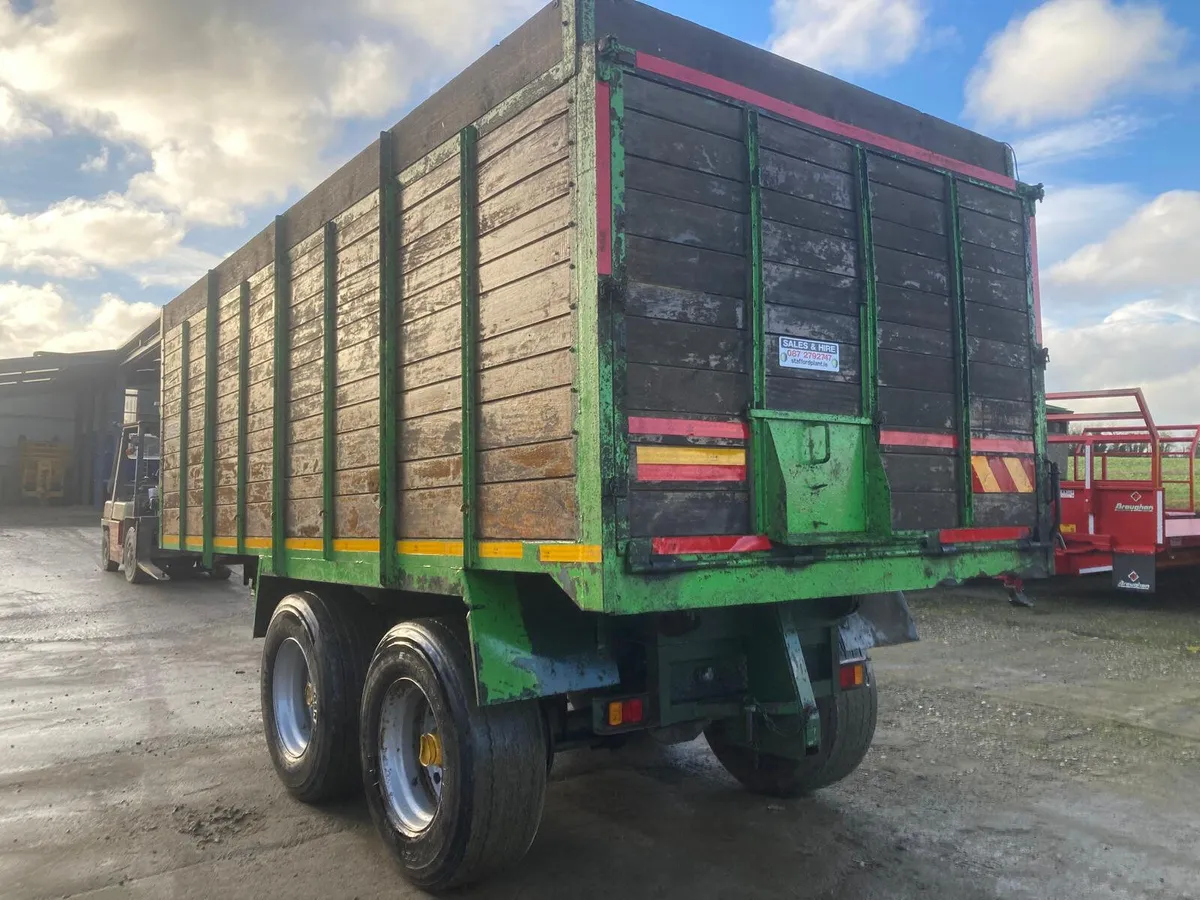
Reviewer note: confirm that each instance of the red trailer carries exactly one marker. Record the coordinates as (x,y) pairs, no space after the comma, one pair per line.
(1127,497)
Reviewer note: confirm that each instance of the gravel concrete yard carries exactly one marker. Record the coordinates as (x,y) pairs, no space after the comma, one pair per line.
(1052,752)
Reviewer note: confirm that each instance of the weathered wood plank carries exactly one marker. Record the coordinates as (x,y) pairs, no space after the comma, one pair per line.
(430,214)
(905,208)
(808,214)
(809,289)
(527,419)
(807,395)
(686,391)
(915,180)
(683,222)
(809,249)
(1001,382)
(988,231)
(543,337)
(802,144)
(529,155)
(918,371)
(685,184)
(913,472)
(680,145)
(908,271)
(908,307)
(996,262)
(995,290)
(530,510)
(681,344)
(1001,510)
(431,513)
(815,326)
(675,305)
(523,198)
(683,107)
(998,353)
(806,180)
(541,296)
(517,265)
(997,324)
(686,513)
(689,268)
(910,240)
(541,223)
(1004,416)
(990,202)
(924,511)
(526,376)
(535,117)
(906,408)
(914,339)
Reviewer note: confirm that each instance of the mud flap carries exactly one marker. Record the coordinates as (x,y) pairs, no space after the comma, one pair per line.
(531,644)
(881,620)
(1134,572)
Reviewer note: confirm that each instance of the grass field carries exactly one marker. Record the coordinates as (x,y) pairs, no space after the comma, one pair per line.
(1123,468)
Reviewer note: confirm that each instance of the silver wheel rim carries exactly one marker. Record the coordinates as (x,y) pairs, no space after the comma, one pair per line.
(410,757)
(293,698)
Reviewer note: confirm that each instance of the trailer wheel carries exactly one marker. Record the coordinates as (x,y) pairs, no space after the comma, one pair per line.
(129,559)
(314,659)
(456,790)
(106,560)
(847,729)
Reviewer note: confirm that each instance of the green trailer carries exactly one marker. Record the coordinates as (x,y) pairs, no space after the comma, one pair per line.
(621,387)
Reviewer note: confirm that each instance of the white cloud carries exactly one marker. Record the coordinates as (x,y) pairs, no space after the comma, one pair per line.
(1155,249)
(235,102)
(15,123)
(1077,140)
(97,163)
(34,318)
(77,238)
(1149,344)
(1067,58)
(1073,216)
(847,35)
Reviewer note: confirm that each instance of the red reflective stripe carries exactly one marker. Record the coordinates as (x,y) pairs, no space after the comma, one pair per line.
(918,439)
(655,472)
(603,179)
(667,546)
(976,484)
(980,535)
(1004,479)
(688,428)
(808,117)
(1001,445)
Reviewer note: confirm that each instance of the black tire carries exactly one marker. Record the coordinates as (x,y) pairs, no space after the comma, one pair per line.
(133,574)
(493,762)
(847,729)
(106,561)
(335,640)
(220,572)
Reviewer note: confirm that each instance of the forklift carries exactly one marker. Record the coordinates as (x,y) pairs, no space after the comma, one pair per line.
(129,526)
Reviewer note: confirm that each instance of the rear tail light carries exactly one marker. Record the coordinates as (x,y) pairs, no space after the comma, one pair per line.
(626,712)
(853,675)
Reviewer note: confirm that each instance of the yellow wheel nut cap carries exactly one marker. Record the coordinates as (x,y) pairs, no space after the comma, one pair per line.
(431,750)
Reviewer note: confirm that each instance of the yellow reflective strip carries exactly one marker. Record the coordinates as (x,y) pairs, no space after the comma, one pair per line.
(170,541)
(689,456)
(258,543)
(983,471)
(430,548)
(1016,468)
(501,550)
(356,545)
(304,544)
(195,543)
(225,543)
(570,553)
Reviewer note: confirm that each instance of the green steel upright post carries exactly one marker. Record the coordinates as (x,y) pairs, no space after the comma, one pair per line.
(243,413)
(389,373)
(958,297)
(185,333)
(869,317)
(282,362)
(758,314)
(329,423)
(469,271)
(1029,198)
(212,321)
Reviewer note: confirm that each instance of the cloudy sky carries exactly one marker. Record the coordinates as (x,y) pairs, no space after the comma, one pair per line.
(143,140)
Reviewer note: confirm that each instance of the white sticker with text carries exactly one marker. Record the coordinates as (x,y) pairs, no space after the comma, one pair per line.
(818,356)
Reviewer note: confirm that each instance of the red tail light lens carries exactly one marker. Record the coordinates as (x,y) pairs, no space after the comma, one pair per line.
(853,675)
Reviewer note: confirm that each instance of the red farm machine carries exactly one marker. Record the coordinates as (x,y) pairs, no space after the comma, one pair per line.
(1127,494)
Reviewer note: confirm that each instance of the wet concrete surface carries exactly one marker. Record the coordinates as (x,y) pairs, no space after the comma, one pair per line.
(1052,752)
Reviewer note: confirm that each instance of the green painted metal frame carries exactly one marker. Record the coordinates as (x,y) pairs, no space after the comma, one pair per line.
(281,366)
(468,186)
(243,414)
(211,324)
(869,314)
(389,355)
(329,378)
(1029,198)
(756,299)
(958,297)
(185,381)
